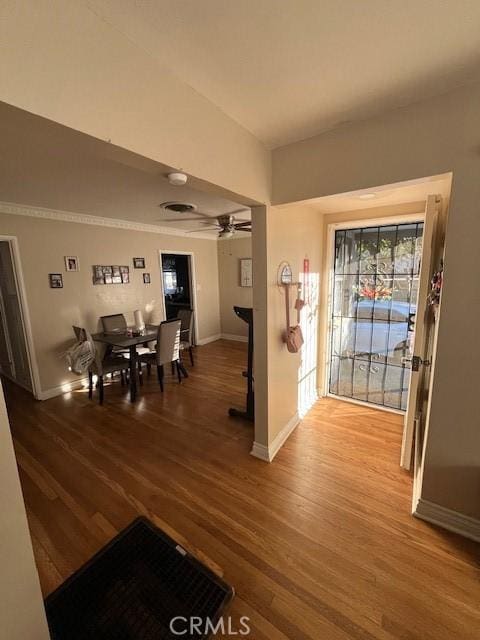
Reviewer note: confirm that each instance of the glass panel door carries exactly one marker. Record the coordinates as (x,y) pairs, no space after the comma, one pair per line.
(375,289)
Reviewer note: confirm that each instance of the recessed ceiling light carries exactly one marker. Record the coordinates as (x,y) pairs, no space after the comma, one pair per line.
(367,196)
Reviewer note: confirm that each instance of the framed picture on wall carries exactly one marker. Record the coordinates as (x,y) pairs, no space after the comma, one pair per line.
(107,274)
(71,263)
(56,280)
(139,263)
(146,278)
(246,276)
(98,274)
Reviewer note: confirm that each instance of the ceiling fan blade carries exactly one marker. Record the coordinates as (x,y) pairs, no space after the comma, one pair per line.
(243,228)
(181,220)
(245,223)
(208,215)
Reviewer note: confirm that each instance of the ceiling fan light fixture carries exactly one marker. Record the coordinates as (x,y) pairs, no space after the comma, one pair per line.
(177,178)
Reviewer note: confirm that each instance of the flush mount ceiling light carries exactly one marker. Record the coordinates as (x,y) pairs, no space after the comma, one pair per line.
(367,196)
(177,178)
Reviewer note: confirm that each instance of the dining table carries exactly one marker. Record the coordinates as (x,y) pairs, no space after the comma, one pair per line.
(129,339)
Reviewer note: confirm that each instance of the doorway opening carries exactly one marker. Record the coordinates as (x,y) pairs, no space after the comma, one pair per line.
(177,270)
(375,275)
(14,349)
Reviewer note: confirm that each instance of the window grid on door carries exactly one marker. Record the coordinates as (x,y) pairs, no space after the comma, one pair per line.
(375,286)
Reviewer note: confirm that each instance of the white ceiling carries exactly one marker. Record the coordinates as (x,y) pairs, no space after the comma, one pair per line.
(45,164)
(382,196)
(289,69)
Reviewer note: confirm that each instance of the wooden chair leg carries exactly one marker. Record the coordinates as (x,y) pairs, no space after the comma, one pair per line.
(179,373)
(173,368)
(160,376)
(100,389)
(140,373)
(90,385)
(149,368)
(190,350)
(122,378)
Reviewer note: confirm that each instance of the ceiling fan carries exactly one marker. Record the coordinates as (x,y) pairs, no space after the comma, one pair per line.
(226,224)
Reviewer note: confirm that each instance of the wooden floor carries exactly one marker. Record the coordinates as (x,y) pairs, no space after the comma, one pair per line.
(318,545)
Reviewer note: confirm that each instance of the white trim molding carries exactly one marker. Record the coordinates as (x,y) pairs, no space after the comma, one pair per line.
(52,392)
(14,209)
(25,313)
(202,341)
(260,451)
(448,519)
(268,453)
(233,337)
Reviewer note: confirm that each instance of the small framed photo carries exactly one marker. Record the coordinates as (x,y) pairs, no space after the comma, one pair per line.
(139,263)
(71,263)
(107,274)
(115,271)
(98,274)
(125,277)
(56,280)
(146,278)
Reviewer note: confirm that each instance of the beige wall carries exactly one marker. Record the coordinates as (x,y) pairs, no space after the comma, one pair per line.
(21,611)
(231,293)
(429,138)
(292,234)
(43,245)
(61,61)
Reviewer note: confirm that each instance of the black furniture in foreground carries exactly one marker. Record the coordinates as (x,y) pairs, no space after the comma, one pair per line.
(133,588)
(246,314)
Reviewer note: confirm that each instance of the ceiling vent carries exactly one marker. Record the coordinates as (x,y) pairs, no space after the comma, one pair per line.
(179,207)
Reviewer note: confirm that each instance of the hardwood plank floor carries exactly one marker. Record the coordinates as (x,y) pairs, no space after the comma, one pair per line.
(318,545)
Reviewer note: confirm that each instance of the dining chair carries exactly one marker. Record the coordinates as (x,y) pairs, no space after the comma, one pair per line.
(167,349)
(186,317)
(102,364)
(116,323)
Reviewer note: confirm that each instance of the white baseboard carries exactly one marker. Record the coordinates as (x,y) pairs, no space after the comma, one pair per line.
(62,388)
(235,338)
(202,341)
(448,519)
(260,451)
(268,453)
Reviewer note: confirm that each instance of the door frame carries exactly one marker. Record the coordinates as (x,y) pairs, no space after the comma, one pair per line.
(327,320)
(193,285)
(6,334)
(24,313)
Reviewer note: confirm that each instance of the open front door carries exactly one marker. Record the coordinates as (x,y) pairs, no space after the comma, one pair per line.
(420,349)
